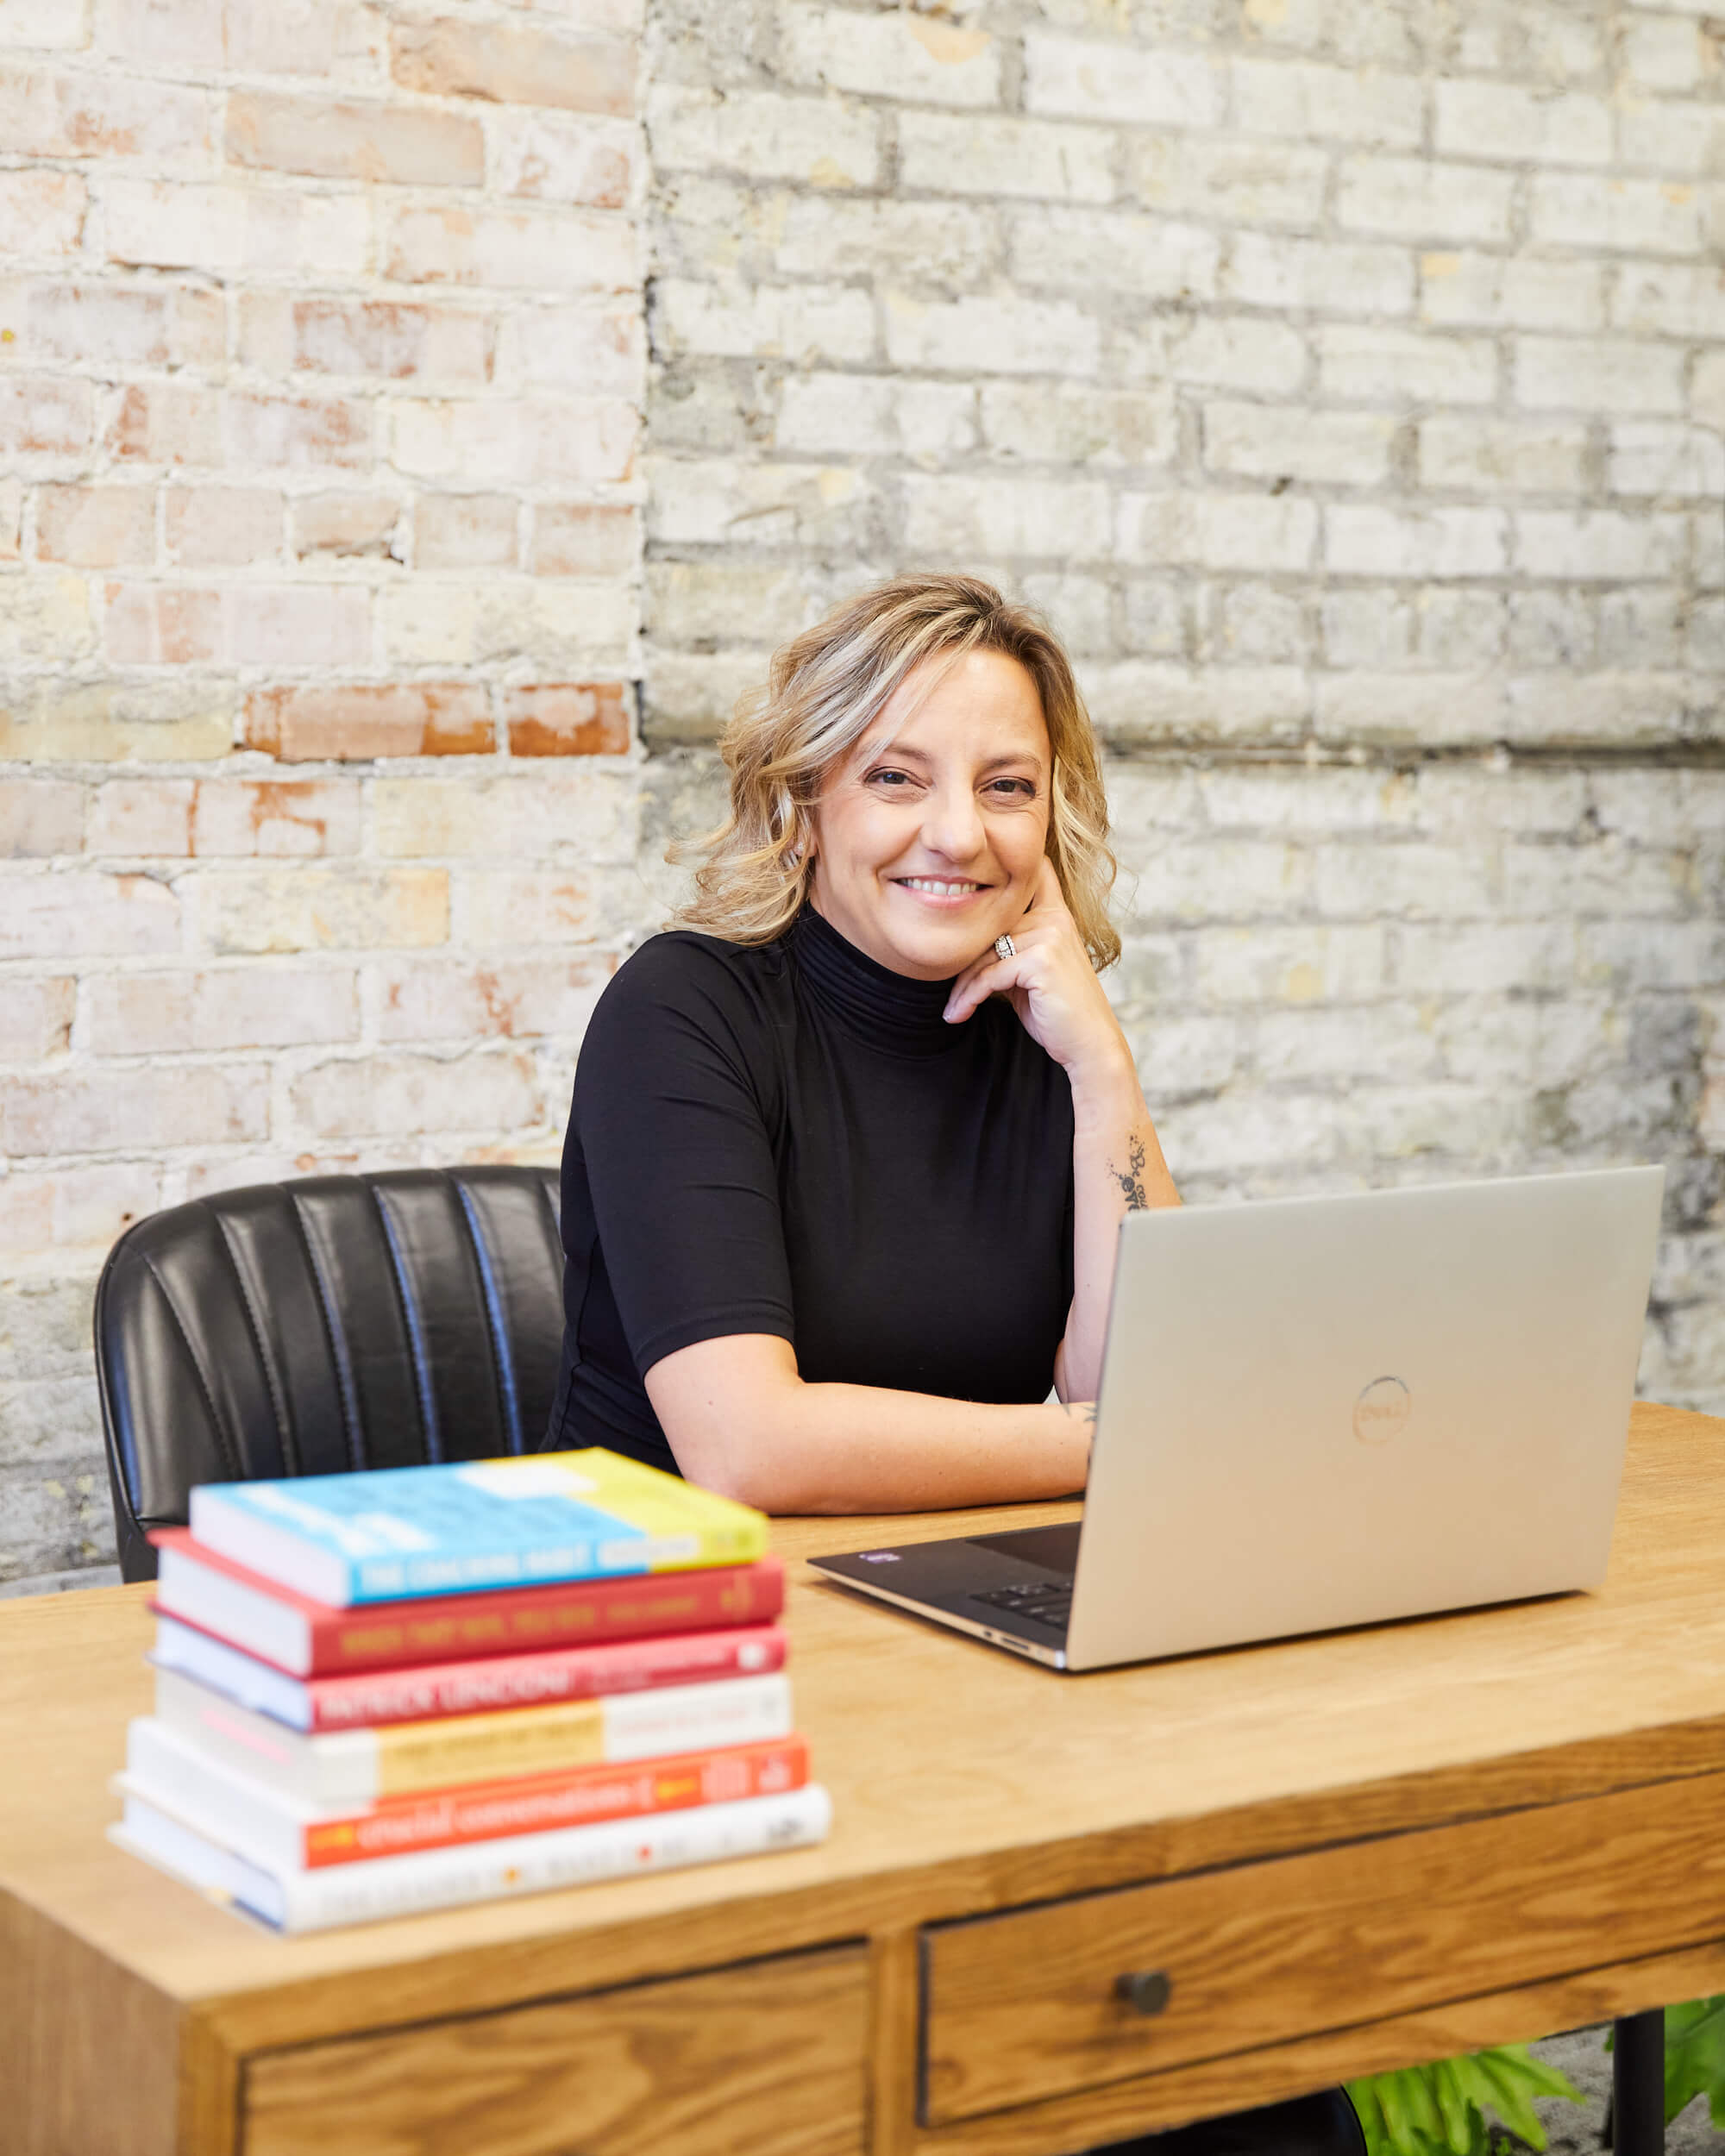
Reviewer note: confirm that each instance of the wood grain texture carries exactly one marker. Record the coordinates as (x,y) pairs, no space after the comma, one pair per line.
(1024,2007)
(965,1783)
(772,2057)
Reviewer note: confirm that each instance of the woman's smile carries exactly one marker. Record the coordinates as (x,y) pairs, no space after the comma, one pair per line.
(932,891)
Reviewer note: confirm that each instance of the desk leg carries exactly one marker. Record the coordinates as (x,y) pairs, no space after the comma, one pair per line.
(1638,2084)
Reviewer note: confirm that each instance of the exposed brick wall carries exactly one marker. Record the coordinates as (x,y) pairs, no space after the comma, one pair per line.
(320,385)
(1347,379)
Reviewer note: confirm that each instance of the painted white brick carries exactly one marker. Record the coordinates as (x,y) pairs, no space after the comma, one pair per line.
(1670,298)
(1404,365)
(1362,539)
(1071,424)
(1707,399)
(1424,709)
(215,229)
(1156,616)
(1410,880)
(484,441)
(1473,962)
(1289,274)
(1483,456)
(889,55)
(817,141)
(1099,250)
(1596,374)
(1418,200)
(806,323)
(1667,136)
(1080,609)
(1218,531)
(873,415)
(1666,53)
(984,518)
(1238,183)
(1221,880)
(1648,457)
(1393,1042)
(1296,99)
(994,336)
(1625,216)
(1511,291)
(1256,624)
(1504,120)
(726,501)
(912,242)
(1094,81)
(1603,543)
(1268,442)
(1226,352)
(997,155)
(1141,703)
(1290,965)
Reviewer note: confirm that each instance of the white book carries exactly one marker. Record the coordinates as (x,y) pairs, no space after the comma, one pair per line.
(478,1871)
(358,1767)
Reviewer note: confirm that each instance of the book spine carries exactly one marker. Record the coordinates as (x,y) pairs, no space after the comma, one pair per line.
(494,1682)
(701,1543)
(348,1640)
(579,1799)
(535,1864)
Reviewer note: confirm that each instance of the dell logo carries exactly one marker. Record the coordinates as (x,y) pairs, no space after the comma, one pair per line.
(1382,1410)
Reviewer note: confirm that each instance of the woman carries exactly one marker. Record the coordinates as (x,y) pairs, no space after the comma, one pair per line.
(848,1155)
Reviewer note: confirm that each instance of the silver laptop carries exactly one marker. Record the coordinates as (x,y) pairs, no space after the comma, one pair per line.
(1318,1412)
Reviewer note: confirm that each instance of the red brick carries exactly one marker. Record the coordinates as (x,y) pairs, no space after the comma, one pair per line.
(552,157)
(299,624)
(347,139)
(101,115)
(580,539)
(118,322)
(134,816)
(36,1022)
(40,817)
(97,527)
(362,721)
(41,212)
(219,527)
(365,337)
(465,531)
(299,433)
(161,624)
(275,819)
(40,416)
(463,999)
(538,251)
(574,718)
(165,422)
(453,59)
(347,525)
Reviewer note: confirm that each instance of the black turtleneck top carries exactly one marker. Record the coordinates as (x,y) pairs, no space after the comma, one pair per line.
(790,1139)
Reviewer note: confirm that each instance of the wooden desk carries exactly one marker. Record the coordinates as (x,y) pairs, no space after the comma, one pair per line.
(1348,1853)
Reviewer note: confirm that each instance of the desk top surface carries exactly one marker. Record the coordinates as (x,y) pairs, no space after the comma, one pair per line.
(962,1777)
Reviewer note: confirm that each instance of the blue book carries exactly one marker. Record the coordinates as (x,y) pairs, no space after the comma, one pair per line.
(391,1534)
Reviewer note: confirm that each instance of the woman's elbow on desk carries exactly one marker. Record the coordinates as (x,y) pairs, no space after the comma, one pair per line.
(729,1411)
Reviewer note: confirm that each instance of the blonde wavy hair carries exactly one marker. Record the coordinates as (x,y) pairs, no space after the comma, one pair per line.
(825,689)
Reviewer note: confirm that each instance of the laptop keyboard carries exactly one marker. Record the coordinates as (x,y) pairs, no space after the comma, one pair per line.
(1043,1602)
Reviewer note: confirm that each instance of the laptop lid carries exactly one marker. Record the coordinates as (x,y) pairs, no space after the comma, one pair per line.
(1318,1412)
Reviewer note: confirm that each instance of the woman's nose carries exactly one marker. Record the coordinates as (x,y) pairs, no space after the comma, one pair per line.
(952,824)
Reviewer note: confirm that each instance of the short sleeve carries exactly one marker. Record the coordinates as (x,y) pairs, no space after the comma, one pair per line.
(669,1112)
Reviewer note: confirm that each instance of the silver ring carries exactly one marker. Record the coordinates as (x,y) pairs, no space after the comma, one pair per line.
(1004,947)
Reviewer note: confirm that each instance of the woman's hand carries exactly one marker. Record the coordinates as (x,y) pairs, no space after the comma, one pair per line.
(1052,986)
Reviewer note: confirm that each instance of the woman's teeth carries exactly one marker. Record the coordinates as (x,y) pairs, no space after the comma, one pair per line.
(938,890)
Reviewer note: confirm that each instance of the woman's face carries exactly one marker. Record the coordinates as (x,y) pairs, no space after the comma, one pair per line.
(928,837)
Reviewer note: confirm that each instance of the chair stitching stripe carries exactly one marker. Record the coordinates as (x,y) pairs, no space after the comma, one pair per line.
(416,1338)
(509,1402)
(204,1386)
(352,1430)
(284,1421)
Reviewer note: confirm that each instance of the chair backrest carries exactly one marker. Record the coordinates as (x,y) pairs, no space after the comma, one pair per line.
(340,1322)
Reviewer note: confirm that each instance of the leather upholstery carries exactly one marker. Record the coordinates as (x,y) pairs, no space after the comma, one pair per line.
(343,1321)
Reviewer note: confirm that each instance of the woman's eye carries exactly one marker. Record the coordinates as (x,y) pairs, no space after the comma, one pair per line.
(1013,789)
(895,781)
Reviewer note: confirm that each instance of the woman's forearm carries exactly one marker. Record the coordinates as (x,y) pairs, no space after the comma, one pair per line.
(742,1422)
(1117,1169)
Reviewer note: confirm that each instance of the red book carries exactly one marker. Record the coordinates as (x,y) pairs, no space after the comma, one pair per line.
(485,1684)
(309,1639)
(242,1813)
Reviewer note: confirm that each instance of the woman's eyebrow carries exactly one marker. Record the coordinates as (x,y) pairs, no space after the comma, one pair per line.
(1023,760)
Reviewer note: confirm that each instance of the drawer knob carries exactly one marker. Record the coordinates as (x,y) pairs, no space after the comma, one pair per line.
(1145,1990)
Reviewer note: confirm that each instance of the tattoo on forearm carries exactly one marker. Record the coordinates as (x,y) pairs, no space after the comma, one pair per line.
(1086,1412)
(1131,1178)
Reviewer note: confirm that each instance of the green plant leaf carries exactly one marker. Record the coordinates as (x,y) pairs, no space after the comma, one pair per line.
(1695,2057)
(1444,2110)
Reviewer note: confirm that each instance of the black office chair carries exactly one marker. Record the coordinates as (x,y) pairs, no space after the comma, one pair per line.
(342,1321)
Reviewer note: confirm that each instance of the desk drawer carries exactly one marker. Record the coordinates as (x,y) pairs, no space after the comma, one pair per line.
(1026,2006)
(769,2057)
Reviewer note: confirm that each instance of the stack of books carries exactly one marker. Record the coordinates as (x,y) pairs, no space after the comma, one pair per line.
(386,1692)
